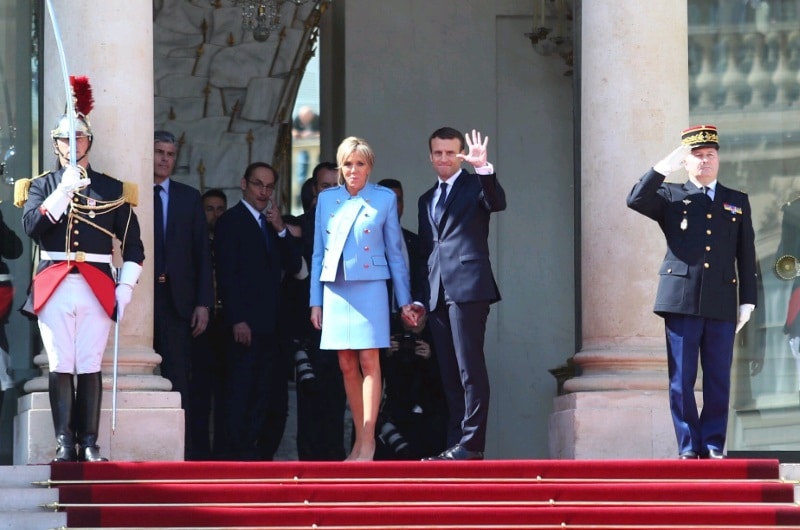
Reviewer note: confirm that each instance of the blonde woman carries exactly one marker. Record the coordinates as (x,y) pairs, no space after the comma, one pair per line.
(357,247)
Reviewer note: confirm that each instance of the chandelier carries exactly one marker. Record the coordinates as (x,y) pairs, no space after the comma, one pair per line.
(262,17)
(552,29)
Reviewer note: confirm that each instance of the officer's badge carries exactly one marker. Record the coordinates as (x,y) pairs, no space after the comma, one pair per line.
(684,224)
(687,202)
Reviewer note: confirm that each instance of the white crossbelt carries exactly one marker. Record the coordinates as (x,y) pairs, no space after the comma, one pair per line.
(46,255)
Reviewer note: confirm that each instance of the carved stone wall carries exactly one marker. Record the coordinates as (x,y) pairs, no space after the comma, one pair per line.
(226,96)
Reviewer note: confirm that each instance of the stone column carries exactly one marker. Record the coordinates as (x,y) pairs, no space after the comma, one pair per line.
(634,76)
(116,54)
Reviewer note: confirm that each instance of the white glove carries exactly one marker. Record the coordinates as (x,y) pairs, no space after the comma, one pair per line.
(744,315)
(673,161)
(123,293)
(57,202)
(128,277)
(73,180)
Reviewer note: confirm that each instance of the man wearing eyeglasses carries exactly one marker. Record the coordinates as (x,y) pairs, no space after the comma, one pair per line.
(183,280)
(253,248)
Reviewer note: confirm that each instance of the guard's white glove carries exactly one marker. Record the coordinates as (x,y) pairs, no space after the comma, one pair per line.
(57,202)
(744,315)
(673,161)
(73,180)
(128,277)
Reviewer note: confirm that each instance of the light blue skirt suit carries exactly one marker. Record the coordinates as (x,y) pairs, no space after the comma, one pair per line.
(357,247)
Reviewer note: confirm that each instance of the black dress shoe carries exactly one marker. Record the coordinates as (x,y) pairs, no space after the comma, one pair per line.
(715,454)
(458,452)
(688,455)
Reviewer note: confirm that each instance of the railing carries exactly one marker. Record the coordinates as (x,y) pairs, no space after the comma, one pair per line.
(744,68)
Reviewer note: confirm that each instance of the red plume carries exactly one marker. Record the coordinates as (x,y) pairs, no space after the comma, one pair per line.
(82,93)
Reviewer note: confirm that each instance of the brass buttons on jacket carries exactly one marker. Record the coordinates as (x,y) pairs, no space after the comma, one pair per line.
(708,248)
(706,265)
(708,232)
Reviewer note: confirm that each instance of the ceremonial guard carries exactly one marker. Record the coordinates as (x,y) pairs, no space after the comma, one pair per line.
(73,214)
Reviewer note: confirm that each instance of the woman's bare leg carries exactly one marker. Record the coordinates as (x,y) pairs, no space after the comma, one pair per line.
(353,384)
(371,389)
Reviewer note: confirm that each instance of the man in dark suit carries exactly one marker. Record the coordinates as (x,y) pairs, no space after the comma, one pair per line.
(252,248)
(708,285)
(183,282)
(453,232)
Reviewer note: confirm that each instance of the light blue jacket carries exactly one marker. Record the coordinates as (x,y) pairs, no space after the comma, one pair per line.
(363,233)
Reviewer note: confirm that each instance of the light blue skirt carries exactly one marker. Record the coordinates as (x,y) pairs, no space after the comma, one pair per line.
(355,314)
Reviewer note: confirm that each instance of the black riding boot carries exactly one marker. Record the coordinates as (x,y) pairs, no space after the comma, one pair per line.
(87,408)
(62,398)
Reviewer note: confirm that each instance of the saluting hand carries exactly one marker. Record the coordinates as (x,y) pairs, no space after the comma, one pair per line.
(476,150)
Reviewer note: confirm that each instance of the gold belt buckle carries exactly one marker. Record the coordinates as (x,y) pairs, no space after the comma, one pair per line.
(80,256)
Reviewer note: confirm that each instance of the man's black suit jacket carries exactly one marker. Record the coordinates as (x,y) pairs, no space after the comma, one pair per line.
(248,275)
(457,250)
(187,254)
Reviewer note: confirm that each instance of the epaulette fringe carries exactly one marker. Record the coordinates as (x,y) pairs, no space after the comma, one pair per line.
(130,192)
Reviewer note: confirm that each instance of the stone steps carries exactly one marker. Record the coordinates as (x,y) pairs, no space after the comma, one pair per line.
(21,501)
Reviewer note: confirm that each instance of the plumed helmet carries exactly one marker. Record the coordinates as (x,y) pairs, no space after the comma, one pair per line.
(83,103)
(82,127)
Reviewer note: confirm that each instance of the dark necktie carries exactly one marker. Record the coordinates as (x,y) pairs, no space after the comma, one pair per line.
(707,191)
(158,211)
(438,210)
(262,221)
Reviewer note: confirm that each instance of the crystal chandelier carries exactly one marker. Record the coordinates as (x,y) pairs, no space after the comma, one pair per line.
(552,29)
(262,17)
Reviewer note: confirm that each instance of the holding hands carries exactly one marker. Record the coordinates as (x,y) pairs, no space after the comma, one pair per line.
(412,314)
(476,150)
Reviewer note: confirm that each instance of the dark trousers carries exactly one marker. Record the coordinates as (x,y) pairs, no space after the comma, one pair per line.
(712,340)
(172,340)
(206,390)
(458,333)
(257,398)
(320,410)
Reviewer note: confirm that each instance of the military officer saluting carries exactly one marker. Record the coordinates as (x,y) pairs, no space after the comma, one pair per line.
(707,286)
(73,214)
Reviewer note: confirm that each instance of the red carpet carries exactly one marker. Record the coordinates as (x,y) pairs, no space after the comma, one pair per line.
(488,495)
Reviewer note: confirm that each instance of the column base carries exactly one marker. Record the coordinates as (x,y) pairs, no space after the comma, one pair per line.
(149,427)
(619,424)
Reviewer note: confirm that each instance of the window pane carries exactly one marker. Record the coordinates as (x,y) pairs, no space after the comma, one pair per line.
(744,59)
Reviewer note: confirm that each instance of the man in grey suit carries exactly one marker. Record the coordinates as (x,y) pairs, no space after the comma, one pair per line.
(453,233)
(184,289)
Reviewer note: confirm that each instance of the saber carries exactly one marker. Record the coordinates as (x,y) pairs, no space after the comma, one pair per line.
(65,74)
(114,378)
(117,272)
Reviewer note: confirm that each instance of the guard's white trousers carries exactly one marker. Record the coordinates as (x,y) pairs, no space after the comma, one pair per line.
(74,328)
